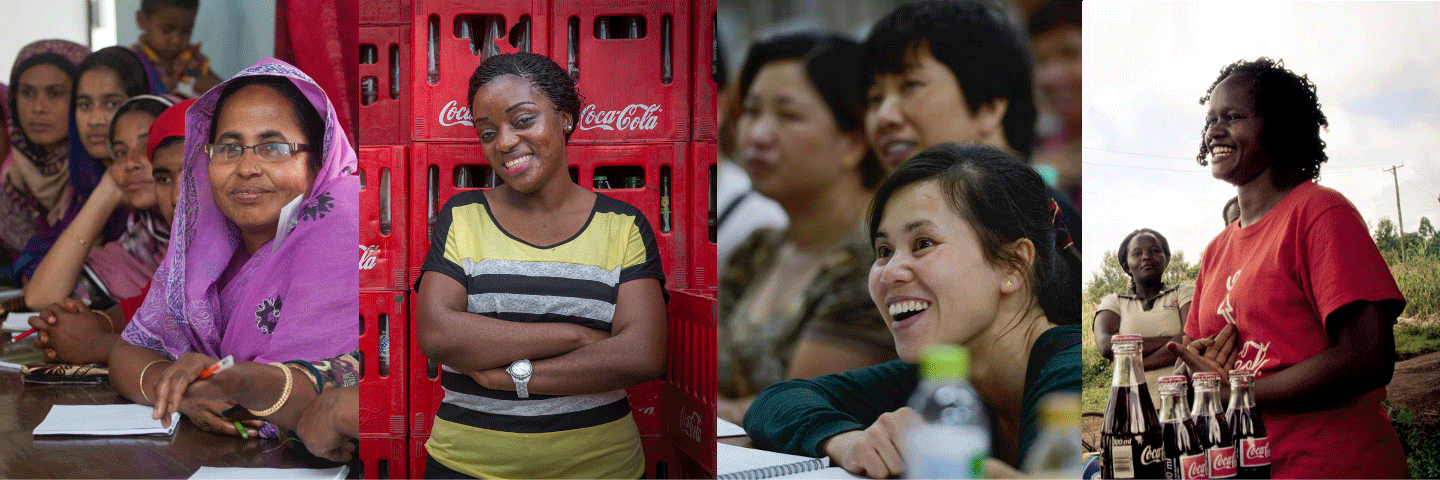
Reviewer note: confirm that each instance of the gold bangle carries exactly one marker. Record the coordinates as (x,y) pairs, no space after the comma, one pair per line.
(83,242)
(285,395)
(142,377)
(107,319)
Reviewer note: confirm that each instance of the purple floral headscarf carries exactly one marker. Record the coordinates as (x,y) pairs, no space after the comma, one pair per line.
(296,297)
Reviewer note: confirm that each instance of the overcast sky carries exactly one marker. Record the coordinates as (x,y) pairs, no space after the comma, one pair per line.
(1376,66)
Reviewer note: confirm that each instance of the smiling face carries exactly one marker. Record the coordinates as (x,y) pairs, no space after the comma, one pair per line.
(1232,132)
(42,104)
(922,107)
(97,95)
(791,145)
(129,167)
(522,135)
(165,170)
(1144,258)
(930,279)
(250,190)
(1058,72)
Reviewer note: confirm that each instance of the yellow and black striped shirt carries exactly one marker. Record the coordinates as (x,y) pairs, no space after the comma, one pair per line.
(492,433)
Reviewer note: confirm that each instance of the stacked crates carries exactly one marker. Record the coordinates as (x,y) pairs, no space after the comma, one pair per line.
(646,136)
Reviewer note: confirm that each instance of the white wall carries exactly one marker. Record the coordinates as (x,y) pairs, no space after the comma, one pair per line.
(27,21)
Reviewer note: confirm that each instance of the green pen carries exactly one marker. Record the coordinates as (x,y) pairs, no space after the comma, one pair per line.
(241,428)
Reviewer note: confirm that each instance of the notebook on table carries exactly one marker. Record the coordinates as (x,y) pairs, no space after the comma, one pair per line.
(127,419)
(740,463)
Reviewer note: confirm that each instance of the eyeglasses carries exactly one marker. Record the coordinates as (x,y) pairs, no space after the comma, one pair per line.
(271,152)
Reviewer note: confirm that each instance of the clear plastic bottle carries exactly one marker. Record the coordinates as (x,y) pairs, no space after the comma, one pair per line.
(1056,452)
(954,440)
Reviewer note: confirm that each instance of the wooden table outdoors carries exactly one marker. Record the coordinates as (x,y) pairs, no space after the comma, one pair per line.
(22,455)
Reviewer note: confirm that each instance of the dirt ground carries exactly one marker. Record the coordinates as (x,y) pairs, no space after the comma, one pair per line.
(1416,385)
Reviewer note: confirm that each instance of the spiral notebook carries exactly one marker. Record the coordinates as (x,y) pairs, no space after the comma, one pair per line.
(740,463)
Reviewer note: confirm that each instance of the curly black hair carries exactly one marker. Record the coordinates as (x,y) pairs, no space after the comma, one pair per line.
(544,75)
(1292,119)
(1125,246)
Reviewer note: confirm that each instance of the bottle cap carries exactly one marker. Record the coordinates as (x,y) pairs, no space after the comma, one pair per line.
(1126,338)
(1172,379)
(1206,376)
(1241,375)
(1171,384)
(945,362)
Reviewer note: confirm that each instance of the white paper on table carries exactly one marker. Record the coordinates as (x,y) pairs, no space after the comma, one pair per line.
(238,473)
(127,419)
(824,473)
(740,463)
(17,321)
(723,428)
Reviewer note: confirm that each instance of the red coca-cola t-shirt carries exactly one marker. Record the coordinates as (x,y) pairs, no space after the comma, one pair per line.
(1278,280)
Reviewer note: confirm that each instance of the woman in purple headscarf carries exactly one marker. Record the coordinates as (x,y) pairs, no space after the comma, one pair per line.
(267,204)
(35,186)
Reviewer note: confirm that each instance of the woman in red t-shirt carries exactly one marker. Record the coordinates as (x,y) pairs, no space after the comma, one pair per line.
(1295,291)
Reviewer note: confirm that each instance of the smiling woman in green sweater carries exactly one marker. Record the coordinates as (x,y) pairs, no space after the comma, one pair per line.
(965,253)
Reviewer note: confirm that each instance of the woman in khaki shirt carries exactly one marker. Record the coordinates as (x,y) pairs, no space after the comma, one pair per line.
(1149,308)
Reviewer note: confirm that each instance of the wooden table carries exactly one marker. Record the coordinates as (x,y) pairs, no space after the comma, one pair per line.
(22,455)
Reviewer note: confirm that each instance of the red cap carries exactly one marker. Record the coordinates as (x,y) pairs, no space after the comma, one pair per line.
(171,123)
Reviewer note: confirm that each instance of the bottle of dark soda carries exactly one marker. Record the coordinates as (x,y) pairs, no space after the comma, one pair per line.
(1247,427)
(1211,425)
(1130,442)
(1184,459)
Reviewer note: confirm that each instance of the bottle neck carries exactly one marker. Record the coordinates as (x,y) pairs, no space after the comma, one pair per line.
(1203,398)
(1128,372)
(1172,406)
(1241,396)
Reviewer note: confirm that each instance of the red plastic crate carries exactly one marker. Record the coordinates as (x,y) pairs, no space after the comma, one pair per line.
(426,200)
(702,212)
(385,67)
(647,405)
(705,126)
(423,389)
(384,217)
(383,338)
(690,391)
(628,98)
(441,111)
(385,12)
(384,457)
(417,455)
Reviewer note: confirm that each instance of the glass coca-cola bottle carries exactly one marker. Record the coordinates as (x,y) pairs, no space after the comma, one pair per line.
(1184,459)
(1247,427)
(1130,445)
(1210,424)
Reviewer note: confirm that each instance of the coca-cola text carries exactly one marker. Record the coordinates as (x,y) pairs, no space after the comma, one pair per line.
(455,114)
(634,117)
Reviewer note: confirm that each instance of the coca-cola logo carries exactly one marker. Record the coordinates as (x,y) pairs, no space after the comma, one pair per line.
(1151,454)
(1253,356)
(368,256)
(455,114)
(1222,462)
(1256,451)
(634,117)
(1194,467)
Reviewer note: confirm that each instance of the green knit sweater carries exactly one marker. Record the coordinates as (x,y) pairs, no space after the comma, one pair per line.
(796,416)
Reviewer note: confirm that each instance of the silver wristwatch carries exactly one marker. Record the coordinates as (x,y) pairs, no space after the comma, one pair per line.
(520,372)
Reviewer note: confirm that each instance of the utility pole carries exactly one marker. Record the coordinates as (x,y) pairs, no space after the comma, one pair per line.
(1401,226)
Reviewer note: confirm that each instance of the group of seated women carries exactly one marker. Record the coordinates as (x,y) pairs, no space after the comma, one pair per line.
(158,237)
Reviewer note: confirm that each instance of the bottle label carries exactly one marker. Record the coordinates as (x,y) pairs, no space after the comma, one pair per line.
(1121,461)
(1254,452)
(1194,466)
(1152,454)
(1222,462)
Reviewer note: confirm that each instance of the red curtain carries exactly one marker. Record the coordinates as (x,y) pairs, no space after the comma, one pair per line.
(323,40)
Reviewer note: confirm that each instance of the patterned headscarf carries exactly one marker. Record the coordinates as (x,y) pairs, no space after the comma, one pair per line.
(294,298)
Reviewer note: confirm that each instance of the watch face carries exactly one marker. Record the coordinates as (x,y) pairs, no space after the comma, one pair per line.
(520,369)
